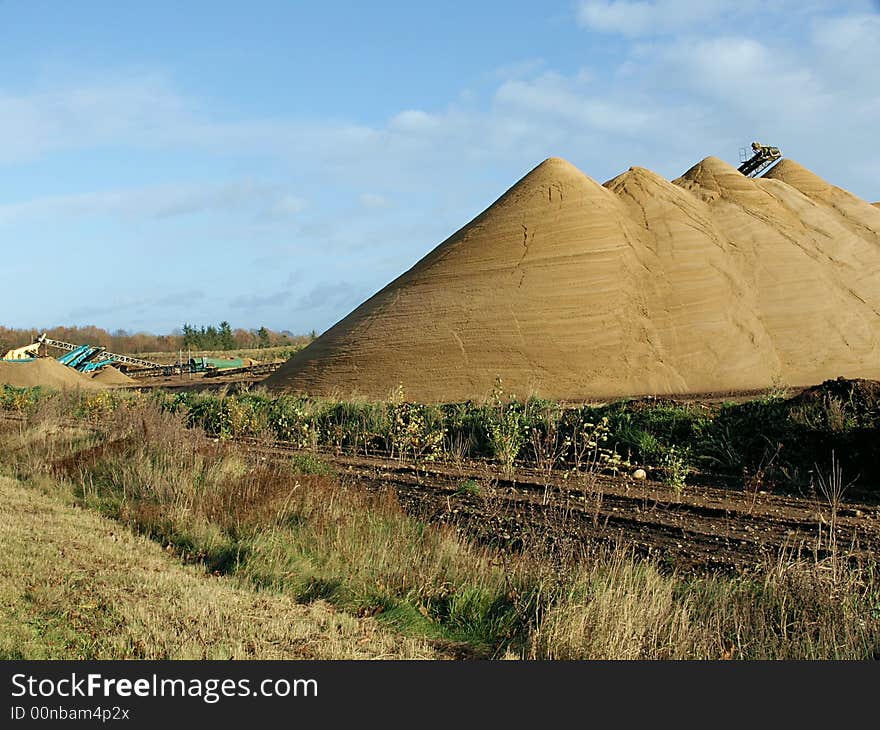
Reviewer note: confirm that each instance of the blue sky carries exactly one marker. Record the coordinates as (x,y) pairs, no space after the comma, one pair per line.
(277,162)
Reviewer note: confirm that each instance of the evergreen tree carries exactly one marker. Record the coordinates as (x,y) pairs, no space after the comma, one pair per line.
(225,338)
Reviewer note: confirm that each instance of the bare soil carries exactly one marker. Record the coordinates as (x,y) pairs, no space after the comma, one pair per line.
(707,527)
(198,382)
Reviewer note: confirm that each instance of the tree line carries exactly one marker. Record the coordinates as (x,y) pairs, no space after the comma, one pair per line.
(210,337)
(223,337)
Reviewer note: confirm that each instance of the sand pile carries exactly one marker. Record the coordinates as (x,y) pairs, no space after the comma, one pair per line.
(45,371)
(109,375)
(570,289)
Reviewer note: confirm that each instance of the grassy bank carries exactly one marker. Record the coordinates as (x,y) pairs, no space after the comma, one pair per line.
(297,532)
(74,584)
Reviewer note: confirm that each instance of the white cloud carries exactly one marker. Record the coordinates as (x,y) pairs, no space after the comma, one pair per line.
(519,69)
(374,201)
(165,201)
(635,18)
(260,301)
(849,47)
(414,120)
(630,18)
(570,101)
(330,295)
(287,206)
(653,17)
(117,109)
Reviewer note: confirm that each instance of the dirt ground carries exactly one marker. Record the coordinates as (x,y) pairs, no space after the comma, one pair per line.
(711,525)
(707,527)
(198,382)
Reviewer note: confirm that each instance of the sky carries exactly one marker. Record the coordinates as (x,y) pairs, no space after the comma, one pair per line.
(276,163)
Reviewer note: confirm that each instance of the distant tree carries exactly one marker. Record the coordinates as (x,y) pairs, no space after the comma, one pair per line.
(190,336)
(226,339)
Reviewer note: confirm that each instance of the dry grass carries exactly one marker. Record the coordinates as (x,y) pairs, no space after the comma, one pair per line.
(74,584)
(617,608)
(625,610)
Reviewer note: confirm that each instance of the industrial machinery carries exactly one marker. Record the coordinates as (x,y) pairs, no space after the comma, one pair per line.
(28,352)
(210,367)
(203,364)
(87,358)
(762,157)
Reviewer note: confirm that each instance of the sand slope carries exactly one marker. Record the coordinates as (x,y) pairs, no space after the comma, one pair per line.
(109,375)
(570,289)
(45,371)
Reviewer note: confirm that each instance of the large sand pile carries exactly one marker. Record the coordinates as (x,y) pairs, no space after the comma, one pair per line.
(570,289)
(45,371)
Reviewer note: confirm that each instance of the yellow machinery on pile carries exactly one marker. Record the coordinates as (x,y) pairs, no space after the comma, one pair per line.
(762,157)
(28,352)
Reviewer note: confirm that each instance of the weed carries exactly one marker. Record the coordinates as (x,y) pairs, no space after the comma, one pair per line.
(469,486)
(676,466)
(310,464)
(506,426)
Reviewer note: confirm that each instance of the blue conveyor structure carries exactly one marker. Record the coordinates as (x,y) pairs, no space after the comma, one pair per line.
(88,358)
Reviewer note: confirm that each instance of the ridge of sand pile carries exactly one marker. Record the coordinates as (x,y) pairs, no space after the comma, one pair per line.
(570,289)
(854,212)
(45,371)
(108,375)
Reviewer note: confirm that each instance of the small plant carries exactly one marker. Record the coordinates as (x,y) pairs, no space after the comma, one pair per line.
(675,463)
(831,489)
(469,486)
(414,429)
(19,400)
(549,444)
(777,390)
(589,448)
(755,481)
(310,464)
(507,427)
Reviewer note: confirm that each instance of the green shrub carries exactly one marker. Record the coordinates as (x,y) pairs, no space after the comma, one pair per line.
(675,462)
(507,427)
